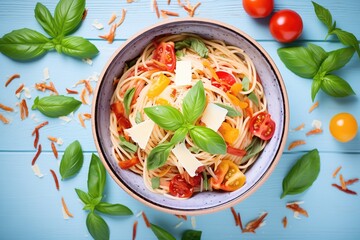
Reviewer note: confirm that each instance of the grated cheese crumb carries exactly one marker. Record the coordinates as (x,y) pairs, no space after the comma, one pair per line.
(193,222)
(88,61)
(46,74)
(37,171)
(316,124)
(139,214)
(96,24)
(94,77)
(27,92)
(59,141)
(179,224)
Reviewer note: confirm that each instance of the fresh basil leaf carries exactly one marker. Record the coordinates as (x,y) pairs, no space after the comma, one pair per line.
(195,44)
(231,112)
(179,135)
(191,235)
(205,181)
(299,60)
(194,103)
(78,47)
(96,177)
(84,197)
(336,86)
(45,19)
(318,53)
(24,44)
(161,233)
(179,54)
(155,182)
(113,209)
(208,140)
(128,96)
(138,117)
(195,149)
(91,205)
(167,117)
(128,146)
(347,39)
(56,105)
(72,160)
(68,15)
(245,82)
(323,15)
(315,87)
(336,59)
(159,155)
(97,227)
(302,175)
(254,148)
(253,98)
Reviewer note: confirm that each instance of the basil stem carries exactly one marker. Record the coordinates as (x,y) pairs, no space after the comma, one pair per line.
(191,235)
(113,209)
(167,117)
(194,103)
(96,177)
(97,226)
(129,94)
(208,140)
(45,19)
(56,105)
(302,175)
(161,233)
(231,112)
(72,160)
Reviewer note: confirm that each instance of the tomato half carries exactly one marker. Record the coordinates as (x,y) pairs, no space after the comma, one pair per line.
(235,151)
(286,26)
(258,8)
(193,181)
(343,127)
(118,109)
(165,53)
(180,188)
(226,80)
(262,126)
(228,177)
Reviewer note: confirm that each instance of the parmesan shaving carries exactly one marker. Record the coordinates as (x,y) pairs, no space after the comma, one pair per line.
(179,224)
(27,92)
(46,74)
(37,171)
(193,222)
(88,61)
(316,124)
(96,24)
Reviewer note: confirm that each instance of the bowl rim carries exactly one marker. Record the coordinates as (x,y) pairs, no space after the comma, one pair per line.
(262,178)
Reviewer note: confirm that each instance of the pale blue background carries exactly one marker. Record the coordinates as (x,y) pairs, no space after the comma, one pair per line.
(30,208)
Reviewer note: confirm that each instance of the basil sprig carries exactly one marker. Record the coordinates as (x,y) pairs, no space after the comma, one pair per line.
(170,118)
(345,37)
(129,94)
(25,44)
(72,160)
(93,201)
(302,174)
(195,44)
(231,112)
(56,105)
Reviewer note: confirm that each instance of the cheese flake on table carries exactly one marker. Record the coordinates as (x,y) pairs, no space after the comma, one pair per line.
(186,159)
(213,116)
(140,133)
(183,73)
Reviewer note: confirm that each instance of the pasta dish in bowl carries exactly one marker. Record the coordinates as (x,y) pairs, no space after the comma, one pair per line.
(190,116)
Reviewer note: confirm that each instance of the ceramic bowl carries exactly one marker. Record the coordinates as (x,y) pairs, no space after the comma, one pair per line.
(275,92)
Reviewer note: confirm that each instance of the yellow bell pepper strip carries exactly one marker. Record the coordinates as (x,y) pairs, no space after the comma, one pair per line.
(158,86)
(208,66)
(228,177)
(237,101)
(162,102)
(236,89)
(229,133)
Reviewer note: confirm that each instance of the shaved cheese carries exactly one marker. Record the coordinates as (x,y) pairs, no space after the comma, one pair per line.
(27,92)
(37,171)
(59,141)
(46,74)
(316,124)
(88,61)
(96,24)
(65,118)
(186,159)
(193,222)
(140,133)
(213,116)
(195,61)
(183,73)
(179,224)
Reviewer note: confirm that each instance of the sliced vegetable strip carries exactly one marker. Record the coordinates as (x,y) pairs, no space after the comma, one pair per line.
(348,191)
(56,180)
(134,230)
(66,208)
(4,119)
(6,108)
(336,171)
(54,150)
(39,126)
(11,78)
(296,143)
(297,209)
(36,155)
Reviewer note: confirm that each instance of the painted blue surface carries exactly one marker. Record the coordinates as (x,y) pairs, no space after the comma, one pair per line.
(30,208)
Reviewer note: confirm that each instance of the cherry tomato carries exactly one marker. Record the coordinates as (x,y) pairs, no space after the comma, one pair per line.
(258,8)
(228,177)
(165,53)
(128,163)
(286,25)
(226,80)
(158,86)
(122,121)
(180,188)
(235,151)
(262,126)
(193,181)
(343,127)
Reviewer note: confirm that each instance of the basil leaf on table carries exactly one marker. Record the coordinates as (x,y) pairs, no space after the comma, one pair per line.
(113,209)
(231,112)
(56,105)
(315,87)
(191,235)
(84,197)
(299,60)
(127,146)
(324,15)
(161,233)
(159,155)
(179,135)
(302,175)
(194,103)
(129,94)
(336,59)
(96,177)
(167,117)
(68,15)
(97,227)
(336,86)
(45,19)
(318,53)
(208,140)
(24,44)
(78,47)
(72,160)
(347,39)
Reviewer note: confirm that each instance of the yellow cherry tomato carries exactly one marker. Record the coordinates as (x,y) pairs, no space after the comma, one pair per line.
(228,177)
(158,86)
(229,133)
(343,127)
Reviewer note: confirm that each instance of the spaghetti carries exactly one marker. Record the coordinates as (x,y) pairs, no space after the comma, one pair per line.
(229,80)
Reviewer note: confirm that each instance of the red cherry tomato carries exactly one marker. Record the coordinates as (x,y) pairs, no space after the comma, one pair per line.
(262,126)
(235,151)
(180,188)
(165,53)
(286,25)
(226,80)
(258,8)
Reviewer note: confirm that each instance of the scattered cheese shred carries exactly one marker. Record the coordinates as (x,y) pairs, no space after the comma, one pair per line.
(96,24)
(11,78)
(24,111)
(37,171)
(255,224)
(56,180)
(146,220)
(70,91)
(166,13)
(179,224)
(46,74)
(88,61)
(36,155)
(343,185)
(111,35)
(19,90)
(84,97)
(316,124)
(53,148)
(156,7)
(314,131)
(193,222)
(81,120)
(134,230)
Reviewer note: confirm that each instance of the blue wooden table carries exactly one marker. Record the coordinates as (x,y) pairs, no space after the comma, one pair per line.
(30,207)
